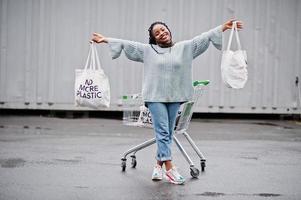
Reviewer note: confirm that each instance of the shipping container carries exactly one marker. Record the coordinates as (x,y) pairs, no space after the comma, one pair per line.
(44,41)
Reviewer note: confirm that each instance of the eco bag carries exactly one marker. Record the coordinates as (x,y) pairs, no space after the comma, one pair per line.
(145,118)
(92,87)
(234,63)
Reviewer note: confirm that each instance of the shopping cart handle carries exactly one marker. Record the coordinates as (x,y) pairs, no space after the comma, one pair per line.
(202,82)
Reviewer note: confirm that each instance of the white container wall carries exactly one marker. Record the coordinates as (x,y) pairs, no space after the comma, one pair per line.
(43,42)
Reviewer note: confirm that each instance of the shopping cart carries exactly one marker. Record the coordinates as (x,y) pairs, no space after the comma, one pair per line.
(135,114)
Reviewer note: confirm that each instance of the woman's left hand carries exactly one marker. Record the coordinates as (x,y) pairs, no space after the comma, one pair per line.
(228,25)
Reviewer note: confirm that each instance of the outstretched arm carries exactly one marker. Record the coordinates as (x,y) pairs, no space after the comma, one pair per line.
(201,43)
(99,38)
(133,50)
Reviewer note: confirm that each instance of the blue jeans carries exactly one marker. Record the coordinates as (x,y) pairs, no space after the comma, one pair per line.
(163,117)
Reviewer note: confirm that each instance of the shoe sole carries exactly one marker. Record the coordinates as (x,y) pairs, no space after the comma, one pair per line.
(174,182)
(157,178)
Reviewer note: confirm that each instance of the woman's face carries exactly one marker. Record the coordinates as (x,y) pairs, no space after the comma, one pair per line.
(161,34)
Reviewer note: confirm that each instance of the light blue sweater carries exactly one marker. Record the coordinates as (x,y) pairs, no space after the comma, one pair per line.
(167,75)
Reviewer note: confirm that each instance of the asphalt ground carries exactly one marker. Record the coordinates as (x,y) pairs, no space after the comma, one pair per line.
(57,158)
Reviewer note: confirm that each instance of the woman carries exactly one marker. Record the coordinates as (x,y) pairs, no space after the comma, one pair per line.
(167,80)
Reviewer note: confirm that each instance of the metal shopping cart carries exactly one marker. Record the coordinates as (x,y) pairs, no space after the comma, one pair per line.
(135,114)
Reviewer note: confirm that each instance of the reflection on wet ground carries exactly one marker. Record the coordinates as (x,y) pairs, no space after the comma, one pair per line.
(81,159)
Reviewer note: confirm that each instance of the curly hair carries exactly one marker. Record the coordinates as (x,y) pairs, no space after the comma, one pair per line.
(152,39)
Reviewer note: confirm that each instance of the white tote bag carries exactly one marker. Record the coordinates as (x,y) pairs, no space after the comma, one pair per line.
(145,118)
(234,64)
(92,88)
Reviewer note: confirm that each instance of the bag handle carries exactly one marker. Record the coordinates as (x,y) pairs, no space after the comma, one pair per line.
(93,61)
(88,58)
(96,58)
(237,37)
(234,28)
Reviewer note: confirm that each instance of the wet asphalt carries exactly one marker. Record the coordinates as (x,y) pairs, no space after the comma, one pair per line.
(57,158)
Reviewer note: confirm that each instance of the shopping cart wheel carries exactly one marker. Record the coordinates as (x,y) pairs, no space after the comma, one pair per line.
(194,172)
(123,165)
(203,165)
(134,161)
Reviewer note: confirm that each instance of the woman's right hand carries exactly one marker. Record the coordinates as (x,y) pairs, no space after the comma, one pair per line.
(98,38)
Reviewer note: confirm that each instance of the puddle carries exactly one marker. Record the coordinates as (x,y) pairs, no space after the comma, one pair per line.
(211,194)
(218,194)
(108,163)
(69,161)
(249,157)
(26,129)
(12,162)
(267,195)
(272,124)
(81,187)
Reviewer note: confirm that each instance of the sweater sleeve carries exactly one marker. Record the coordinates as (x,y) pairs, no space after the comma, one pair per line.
(201,42)
(133,50)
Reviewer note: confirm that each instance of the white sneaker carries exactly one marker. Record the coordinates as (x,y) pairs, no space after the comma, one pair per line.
(174,177)
(157,173)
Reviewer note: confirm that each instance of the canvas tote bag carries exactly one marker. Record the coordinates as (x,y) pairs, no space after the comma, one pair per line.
(234,63)
(92,87)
